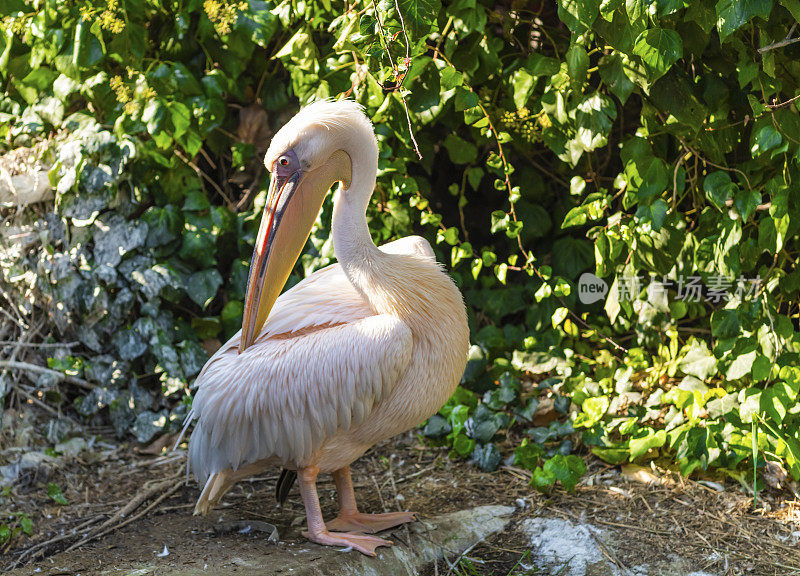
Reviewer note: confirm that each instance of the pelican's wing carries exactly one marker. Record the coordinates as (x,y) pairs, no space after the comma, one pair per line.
(324,298)
(284,396)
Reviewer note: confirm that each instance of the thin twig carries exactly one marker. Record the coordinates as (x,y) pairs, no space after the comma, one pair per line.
(14,365)
(396,71)
(175,487)
(14,320)
(39,344)
(204,176)
(785,42)
(35,400)
(452,566)
(251,191)
(782,104)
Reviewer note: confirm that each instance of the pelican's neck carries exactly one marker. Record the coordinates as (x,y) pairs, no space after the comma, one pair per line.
(352,243)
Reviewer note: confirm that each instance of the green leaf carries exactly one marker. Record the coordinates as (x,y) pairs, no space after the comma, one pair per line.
(459,150)
(746,203)
(659,49)
(575,217)
(419,15)
(577,65)
(578,15)
(612,72)
(719,188)
(640,446)
(765,137)
(793,6)
(733,14)
(463,445)
(592,411)
(26,524)
(202,286)
(523,85)
(465,99)
(538,65)
(55,494)
(542,480)
(698,361)
(367,25)
(451,78)
(772,233)
(566,469)
(528,455)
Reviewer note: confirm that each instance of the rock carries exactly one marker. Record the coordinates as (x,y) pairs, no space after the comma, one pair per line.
(565,548)
(34,464)
(72,448)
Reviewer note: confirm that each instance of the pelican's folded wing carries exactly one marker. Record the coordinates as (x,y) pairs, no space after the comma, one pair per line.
(284,396)
(324,298)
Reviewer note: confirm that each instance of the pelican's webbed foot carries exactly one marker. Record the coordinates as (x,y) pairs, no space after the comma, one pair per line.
(371,523)
(361,542)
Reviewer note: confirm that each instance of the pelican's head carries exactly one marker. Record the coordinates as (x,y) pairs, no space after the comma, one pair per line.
(305,158)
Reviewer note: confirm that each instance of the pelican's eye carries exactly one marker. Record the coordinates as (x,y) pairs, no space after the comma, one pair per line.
(287,164)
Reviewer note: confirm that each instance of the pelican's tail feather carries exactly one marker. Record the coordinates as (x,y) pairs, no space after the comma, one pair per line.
(219,483)
(216,487)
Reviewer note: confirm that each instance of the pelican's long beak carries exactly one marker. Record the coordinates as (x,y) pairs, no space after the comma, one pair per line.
(293,203)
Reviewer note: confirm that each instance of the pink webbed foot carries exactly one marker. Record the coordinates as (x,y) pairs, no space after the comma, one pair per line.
(364,544)
(369,522)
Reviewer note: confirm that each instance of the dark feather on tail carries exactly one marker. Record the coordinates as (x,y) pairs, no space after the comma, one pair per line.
(284,485)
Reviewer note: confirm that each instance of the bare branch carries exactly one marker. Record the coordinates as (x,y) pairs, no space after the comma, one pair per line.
(14,365)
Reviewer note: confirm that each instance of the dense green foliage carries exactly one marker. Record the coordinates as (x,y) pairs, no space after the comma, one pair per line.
(652,143)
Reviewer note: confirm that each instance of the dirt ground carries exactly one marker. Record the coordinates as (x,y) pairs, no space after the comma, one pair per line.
(652,516)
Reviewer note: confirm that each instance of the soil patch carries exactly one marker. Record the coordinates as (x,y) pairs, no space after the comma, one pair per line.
(647,519)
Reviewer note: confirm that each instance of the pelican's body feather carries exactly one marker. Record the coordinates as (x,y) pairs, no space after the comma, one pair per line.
(323,361)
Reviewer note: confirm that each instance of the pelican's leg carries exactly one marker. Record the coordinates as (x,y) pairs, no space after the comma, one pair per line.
(350,518)
(317,531)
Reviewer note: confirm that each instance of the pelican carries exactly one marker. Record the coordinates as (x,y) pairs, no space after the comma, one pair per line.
(354,354)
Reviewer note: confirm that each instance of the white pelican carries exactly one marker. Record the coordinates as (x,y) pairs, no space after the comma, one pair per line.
(354,354)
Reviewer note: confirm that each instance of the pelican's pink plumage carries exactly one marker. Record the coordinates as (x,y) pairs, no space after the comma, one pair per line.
(354,354)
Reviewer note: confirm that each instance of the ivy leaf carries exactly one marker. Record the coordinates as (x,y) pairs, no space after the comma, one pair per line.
(25,524)
(538,65)
(181,118)
(437,427)
(733,14)
(719,188)
(592,411)
(612,72)
(640,446)
(566,469)
(577,65)
(523,85)
(459,150)
(419,15)
(659,49)
(487,457)
(55,494)
(741,366)
(698,360)
(578,15)
(451,78)
(202,286)
(772,233)
(465,99)
(746,203)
